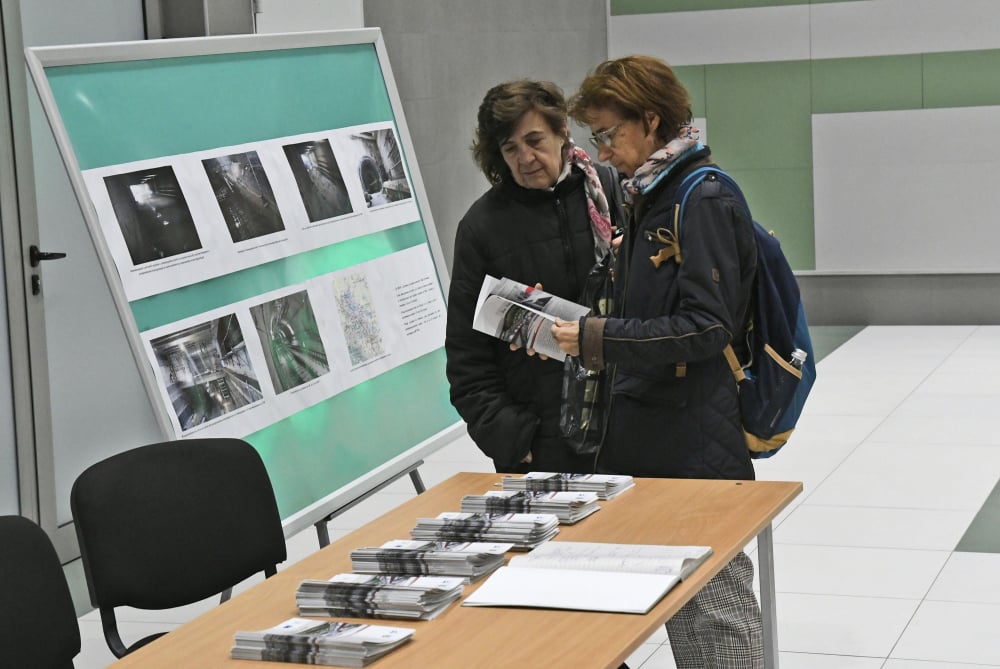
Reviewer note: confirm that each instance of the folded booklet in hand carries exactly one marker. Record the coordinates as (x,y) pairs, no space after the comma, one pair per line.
(523,315)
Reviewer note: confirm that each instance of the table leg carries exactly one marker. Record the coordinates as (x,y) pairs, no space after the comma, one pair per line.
(768,608)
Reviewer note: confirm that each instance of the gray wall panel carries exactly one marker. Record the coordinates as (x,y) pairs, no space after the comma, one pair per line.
(446,54)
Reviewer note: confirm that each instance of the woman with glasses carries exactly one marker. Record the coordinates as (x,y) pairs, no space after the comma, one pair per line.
(674,406)
(544,220)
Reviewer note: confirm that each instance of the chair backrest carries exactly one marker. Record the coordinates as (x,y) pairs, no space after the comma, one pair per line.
(38,626)
(173,523)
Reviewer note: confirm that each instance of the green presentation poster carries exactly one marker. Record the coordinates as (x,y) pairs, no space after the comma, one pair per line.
(258,213)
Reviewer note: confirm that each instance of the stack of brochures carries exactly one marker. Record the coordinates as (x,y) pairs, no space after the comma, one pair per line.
(334,644)
(470,560)
(605,485)
(523,530)
(568,506)
(622,578)
(378,596)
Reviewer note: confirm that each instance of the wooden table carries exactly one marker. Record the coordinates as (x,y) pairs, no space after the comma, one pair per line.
(725,515)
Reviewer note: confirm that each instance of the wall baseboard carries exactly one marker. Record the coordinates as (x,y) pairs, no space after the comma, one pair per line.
(900,299)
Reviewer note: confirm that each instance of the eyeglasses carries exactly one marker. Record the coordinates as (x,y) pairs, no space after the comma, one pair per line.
(605,137)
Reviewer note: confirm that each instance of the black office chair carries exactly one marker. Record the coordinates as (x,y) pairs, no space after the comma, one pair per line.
(172,523)
(38,627)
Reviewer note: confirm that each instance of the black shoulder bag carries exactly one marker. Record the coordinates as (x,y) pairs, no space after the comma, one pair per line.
(586,393)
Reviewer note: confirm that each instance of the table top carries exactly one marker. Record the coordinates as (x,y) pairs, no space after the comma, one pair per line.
(725,515)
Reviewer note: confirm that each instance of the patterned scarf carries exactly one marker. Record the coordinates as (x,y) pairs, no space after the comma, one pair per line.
(658,165)
(597,201)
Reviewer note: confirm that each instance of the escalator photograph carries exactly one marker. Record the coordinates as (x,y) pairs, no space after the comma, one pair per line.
(244,194)
(292,346)
(207,371)
(319,180)
(153,214)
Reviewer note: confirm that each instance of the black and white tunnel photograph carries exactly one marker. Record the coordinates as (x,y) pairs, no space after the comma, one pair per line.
(153,214)
(380,168)
(293,349)
(319,180)
(244,194)
(207,371)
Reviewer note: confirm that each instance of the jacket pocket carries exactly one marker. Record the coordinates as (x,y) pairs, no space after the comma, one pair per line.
(667,390)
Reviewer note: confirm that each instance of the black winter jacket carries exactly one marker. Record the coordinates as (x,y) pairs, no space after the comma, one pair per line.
(509,400)
(675,409)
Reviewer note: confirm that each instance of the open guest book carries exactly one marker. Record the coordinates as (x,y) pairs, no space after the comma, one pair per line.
(618,578)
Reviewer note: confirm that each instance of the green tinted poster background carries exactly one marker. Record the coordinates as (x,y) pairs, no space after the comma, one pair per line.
(129,110)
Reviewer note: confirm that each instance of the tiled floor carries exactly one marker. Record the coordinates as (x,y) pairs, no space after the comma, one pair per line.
(899,450)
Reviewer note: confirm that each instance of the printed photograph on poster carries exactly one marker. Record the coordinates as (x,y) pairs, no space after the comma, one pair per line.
(316,339)
(206,371)
(292,346)
(152,214)
(318,178)
(380,167)
(358,318)
(244,194)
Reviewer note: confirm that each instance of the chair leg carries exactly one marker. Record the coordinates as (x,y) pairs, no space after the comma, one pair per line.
(226,594)
(111,635)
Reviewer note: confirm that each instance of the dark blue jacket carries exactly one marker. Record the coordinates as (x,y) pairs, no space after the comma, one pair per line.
(675,410)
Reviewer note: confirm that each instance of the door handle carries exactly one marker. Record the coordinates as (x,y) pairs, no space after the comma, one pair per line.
(35,256)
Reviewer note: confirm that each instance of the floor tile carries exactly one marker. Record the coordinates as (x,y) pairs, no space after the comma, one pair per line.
(921,664)
(972,430)
(952,632)
(855,393)
(661,658)
(970,578)
(821,440)
(639,659)
(914,476)
(829,625)
(858,572)
(811,661)
(873,527)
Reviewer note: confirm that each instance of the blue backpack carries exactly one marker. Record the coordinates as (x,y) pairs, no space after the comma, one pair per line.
(774,384)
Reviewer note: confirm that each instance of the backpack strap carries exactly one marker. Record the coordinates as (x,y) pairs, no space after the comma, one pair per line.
(687,185)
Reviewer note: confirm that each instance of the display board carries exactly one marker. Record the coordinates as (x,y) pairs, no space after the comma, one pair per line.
(265,235)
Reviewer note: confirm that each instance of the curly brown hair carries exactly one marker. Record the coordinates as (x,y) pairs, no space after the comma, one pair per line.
(633,87)
(499,113)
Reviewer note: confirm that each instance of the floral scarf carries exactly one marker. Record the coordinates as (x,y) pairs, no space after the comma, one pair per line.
(658,165)
(597,201)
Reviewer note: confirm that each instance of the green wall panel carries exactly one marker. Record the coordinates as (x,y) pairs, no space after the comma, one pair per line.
(868,84)
(759,114)
(782,201)
(693,78)
(962,79)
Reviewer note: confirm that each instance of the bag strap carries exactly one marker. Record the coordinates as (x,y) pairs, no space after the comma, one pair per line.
(613,192)
(687,185)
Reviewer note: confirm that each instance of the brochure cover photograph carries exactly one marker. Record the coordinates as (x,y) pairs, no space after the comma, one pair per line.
(523,315)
